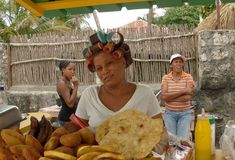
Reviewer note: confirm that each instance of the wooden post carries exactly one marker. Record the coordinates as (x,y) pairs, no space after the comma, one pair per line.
(218,3)
(196,58)
(9,71)
(150,20)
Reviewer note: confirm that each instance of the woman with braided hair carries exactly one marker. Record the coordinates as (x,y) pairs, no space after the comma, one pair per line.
(67,88)
(109,58)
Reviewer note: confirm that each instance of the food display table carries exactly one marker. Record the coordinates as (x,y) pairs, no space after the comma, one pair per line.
(218,155)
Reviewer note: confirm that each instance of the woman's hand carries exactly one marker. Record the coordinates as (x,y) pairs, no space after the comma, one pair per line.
(74,81)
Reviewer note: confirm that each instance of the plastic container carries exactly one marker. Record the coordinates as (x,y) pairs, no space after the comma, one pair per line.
(203,137)
(212,124)
(227,140)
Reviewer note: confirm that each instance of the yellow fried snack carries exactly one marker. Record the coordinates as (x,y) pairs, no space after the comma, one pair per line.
(34,126)
(87,136)
(151,158)
(108,155)
(59,132)
(30,154)
(60,155)
(20,157)
(5,154)
(131,133)
(94,148)
(89,155)
(52,143)
(12,137)
(46,158)
(71,139)
(65,149)
(71,127)
(24,151)
(2,143)
(32,141)
(45,130)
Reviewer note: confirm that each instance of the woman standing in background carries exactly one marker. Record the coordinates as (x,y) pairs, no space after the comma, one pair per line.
(67,88)
(177,90)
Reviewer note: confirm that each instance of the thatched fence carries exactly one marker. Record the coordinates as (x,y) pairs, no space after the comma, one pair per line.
(34,60)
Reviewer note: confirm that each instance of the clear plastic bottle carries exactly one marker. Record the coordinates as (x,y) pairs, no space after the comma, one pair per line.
(212,124)
(203,137)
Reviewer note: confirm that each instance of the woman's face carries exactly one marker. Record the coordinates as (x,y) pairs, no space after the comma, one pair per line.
(69,71)
(177,65)
(109,70)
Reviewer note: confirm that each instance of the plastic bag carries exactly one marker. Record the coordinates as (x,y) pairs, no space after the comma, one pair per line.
(227,140)
(179,149)
(179,152)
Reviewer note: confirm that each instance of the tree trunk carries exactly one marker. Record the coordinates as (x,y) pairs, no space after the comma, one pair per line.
(77,22)
(218,4)
(150,19)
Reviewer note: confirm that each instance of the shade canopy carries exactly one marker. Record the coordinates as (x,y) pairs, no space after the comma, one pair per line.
(52,8)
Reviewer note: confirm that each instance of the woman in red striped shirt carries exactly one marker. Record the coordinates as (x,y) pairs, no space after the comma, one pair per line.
(177,91)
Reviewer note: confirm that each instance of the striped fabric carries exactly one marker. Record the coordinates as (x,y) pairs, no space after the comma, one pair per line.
(185,81)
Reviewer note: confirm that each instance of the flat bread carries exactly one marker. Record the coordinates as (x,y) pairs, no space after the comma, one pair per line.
(131,133)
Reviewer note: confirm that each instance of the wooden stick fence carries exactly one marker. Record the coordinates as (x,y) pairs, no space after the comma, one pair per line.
(34,60)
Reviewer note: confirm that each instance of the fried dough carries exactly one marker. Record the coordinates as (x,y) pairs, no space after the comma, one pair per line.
(59,155)
(32,141)
(65,149)
(88,137)
(71,139)
(5,154)
(71,127)
(24,151)
(34,126)
(52,143)
(131,133)
(108,155)
(59,132)
(94,148)
(89,155)
(12,137)
(30,154)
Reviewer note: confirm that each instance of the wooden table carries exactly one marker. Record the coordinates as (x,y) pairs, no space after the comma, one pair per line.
(218,155)
(25,124)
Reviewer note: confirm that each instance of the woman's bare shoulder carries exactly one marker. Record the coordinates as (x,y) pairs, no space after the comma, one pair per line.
(61,85)
(60,82)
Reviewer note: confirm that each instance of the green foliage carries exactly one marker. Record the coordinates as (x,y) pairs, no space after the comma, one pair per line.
(207,10)
(16,20)
(187,15)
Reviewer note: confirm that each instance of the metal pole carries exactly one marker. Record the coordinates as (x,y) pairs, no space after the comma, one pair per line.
(97,21)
